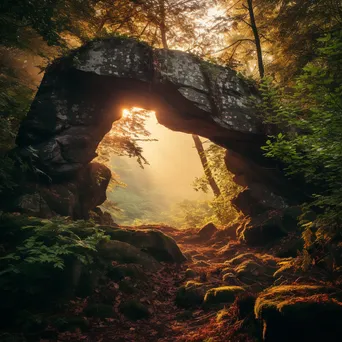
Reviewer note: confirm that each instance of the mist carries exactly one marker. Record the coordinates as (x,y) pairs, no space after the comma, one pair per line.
(154,190)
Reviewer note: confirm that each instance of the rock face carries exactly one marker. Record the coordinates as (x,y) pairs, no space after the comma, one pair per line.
(269,227)
(82,94)
(299,313)
(74,197)
(153,242)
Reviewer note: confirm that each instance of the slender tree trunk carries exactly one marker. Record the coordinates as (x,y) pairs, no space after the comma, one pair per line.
(256,38)
(197,140)
(162,24)
(204,161)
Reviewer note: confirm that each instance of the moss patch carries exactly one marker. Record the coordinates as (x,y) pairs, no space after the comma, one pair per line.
(191,294)
(190,274)
(222,295)
(299,312)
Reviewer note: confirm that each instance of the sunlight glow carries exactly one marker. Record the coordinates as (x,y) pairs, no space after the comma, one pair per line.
(126,113)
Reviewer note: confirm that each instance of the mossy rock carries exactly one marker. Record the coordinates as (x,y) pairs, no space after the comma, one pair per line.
(201,263)
(221,295)
(134,310)
(250,270)
(241,258)
(245,305)
(152,242)
(268,228)
(190,274)
(123,252)
(191,294)
(199,257)
(207,231)
(299,313)
(230,279)
(265,259)
(99,311)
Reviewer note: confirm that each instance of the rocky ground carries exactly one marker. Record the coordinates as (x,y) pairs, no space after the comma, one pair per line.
(224,291)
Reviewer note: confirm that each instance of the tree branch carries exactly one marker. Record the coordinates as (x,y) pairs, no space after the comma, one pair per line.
(228,47)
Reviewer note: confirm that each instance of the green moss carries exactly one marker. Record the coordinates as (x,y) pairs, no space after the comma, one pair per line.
(276,297)
(222,315)
(221,295)
(300,313)
(230,278)
(240,258)
(189,273)
(134,310)
(191,294)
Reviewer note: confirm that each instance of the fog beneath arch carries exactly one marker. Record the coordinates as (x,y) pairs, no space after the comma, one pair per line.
(167,180)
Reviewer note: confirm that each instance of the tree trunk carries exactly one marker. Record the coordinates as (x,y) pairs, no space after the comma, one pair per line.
(256,38)
(204,161)
(162,24)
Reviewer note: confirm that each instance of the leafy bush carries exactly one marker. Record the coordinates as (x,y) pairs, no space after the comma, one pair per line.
(38,262)
(309,116)
(223,210)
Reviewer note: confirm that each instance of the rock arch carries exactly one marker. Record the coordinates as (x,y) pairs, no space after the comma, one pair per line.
(82,94)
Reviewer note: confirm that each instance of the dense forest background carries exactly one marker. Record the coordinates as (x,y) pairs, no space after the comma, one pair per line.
(291,50)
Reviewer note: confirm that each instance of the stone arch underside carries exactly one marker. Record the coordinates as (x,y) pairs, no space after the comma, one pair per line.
(82,94)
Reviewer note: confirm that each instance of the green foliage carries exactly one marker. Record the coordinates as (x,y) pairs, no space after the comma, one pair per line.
(224,212)
(43,245)
(310,118)
(191,214)
(15,98)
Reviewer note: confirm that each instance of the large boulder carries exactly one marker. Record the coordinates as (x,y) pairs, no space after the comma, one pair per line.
(152,242)
(191,294)
(125,253)
(75,197)
(207,231)
(269,227)
(222,295)
(299,313)
(82,94)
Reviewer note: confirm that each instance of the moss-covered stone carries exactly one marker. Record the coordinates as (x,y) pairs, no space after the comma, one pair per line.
(222,295)
(190,274)
(134,310)
(230,279)
(250,270)
(265,229)
(207,231)
(99,311)
(152,242)
(191,294)
(201,263)
(126,253)
(299,313)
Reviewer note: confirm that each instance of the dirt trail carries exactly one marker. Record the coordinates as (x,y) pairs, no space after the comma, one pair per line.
(167,322)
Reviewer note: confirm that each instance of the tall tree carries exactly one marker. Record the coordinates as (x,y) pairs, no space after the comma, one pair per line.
(205,164)
(256,38)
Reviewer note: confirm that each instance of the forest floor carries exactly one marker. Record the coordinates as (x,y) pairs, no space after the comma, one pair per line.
(157,291)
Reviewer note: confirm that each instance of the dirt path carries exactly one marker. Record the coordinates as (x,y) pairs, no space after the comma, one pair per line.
(167,322)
